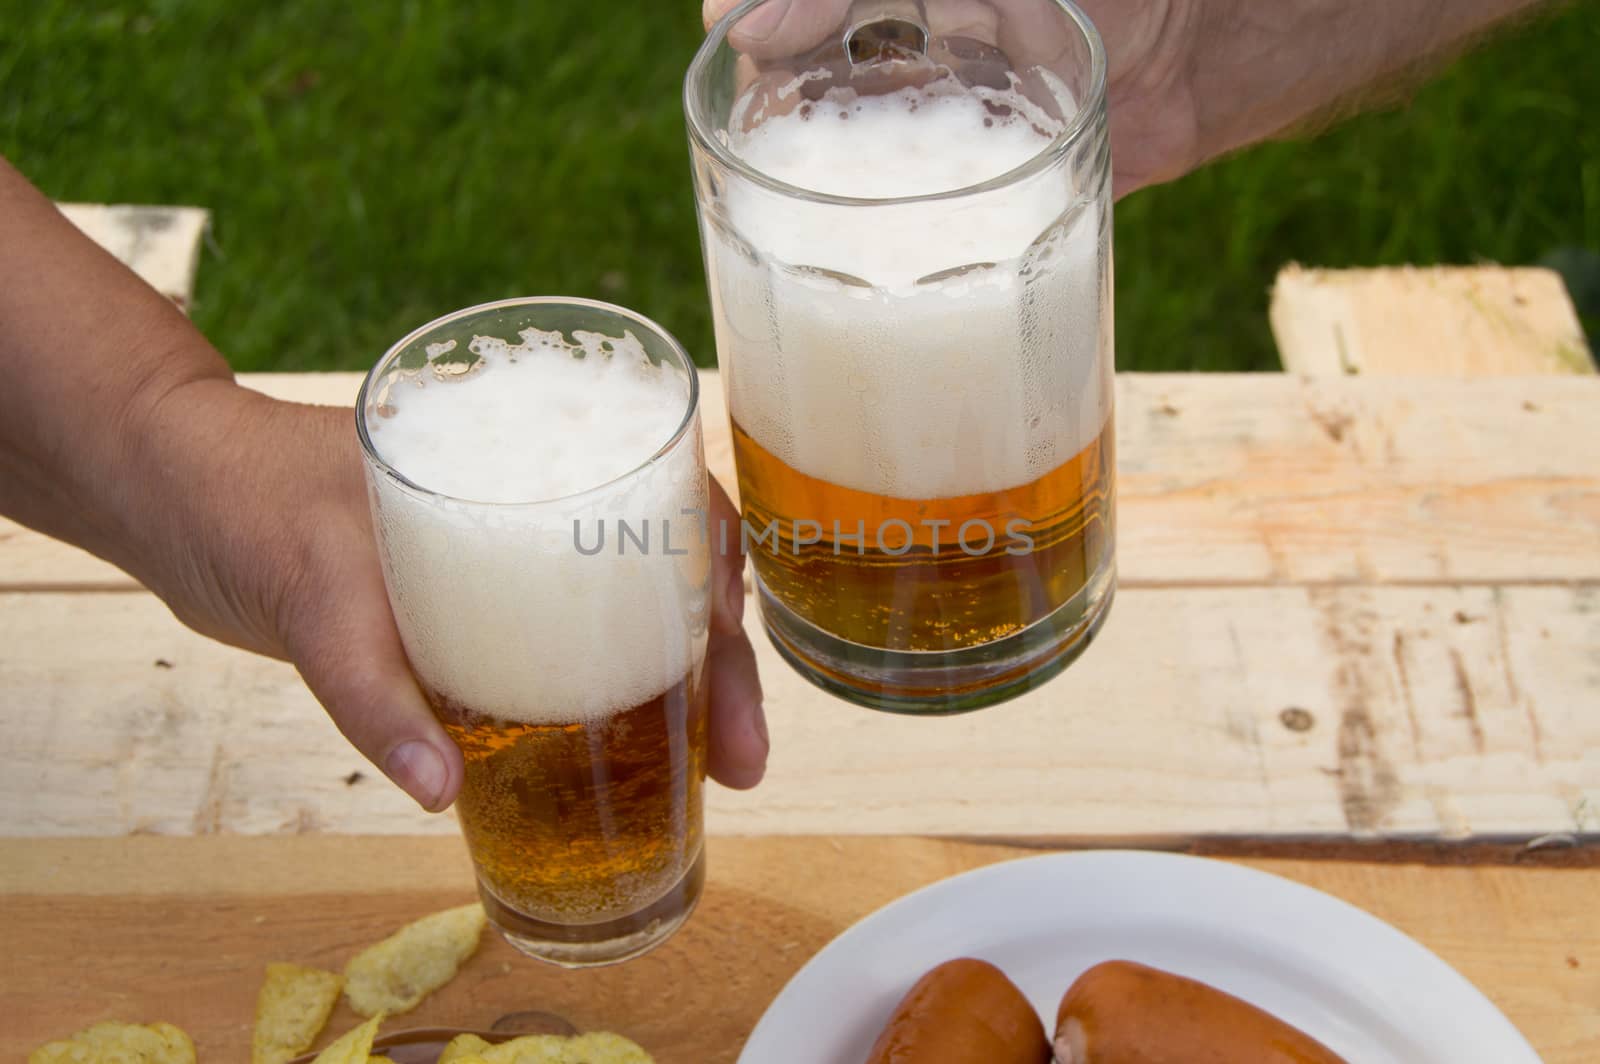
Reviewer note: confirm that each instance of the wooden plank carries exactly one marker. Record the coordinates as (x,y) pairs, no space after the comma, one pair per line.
(133,926)
(1269,479)
(1424,713)
(160,244)
(1472,321)
(1256,479)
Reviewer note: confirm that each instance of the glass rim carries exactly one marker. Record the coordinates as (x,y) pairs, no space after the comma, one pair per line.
(691,404)
(700,126)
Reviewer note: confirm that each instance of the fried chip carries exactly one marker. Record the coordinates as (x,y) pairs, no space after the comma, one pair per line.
(397,973)
(352,1047)
(603,1047)
(461,1047)
(119,1043)
(598,1047)
(291,1009)
(529,1049)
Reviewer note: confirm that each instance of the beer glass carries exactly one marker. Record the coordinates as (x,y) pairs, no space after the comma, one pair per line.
(905,211)
(538,489)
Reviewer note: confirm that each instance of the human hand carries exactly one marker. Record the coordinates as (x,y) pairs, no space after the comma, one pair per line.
(260,536)
(1154,135)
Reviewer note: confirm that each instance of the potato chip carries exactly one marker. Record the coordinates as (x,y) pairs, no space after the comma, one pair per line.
(119,1043)
(529,1049)
(352,1047)
(599,1047)
(291,1009)
(462,1046)
(379,1060)
(603,1047)
(397,973)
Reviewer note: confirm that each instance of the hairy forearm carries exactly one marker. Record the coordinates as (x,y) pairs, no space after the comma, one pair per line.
(1256,68)
(89,356)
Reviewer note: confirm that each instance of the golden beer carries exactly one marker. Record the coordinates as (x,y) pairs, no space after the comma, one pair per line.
(536,471)
(926,574)
(589,822)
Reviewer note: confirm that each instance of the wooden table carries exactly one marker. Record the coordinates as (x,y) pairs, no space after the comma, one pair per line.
(1357,643)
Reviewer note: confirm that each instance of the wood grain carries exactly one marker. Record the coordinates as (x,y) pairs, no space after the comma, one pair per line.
(1441,320)
(1253,479)
(1426,713)
(180,930)
(1408,571)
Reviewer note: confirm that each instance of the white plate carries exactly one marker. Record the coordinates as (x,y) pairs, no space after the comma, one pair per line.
(1368,992)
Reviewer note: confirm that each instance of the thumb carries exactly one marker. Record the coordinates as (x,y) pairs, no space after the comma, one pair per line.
(739,740)
(779,28)
(760,23)
(711,10)
(349,653)
(727,563)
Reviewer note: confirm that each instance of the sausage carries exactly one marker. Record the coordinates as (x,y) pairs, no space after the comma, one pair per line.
(963,1012)
(1125,1013)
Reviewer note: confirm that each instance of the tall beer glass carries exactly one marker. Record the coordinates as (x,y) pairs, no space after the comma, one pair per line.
(539,493)
(905,209)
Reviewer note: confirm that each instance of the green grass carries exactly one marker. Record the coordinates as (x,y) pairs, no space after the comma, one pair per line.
(374,163)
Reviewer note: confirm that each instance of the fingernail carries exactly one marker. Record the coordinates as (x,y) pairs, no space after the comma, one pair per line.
(733,595)
(417,767)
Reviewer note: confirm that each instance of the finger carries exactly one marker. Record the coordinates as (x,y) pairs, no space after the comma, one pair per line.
(974,19)
(779,28)
(1033,34)
(712,10)
(1133,34)
(738,725)
(347,649)
(727,564)
(738,741)
(1122,183)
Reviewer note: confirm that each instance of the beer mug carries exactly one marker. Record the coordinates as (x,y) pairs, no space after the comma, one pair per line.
(539,494)
(905,211)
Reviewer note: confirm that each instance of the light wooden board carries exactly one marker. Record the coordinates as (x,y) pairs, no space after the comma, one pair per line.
(1256,479)
(132,929)
(1471,320)
(160,244)
(1432,713)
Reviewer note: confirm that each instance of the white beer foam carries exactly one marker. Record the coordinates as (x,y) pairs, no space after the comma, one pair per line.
(914,142)
(903,349)
(497,606)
